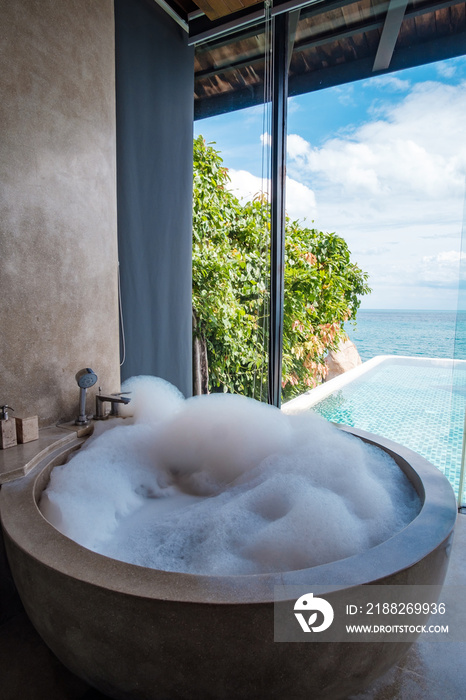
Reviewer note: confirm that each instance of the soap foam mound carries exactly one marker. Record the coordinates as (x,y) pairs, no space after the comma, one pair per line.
(224,485)
(218,437)
(152,399)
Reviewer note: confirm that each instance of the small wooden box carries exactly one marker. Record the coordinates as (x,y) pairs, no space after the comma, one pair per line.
(27,429)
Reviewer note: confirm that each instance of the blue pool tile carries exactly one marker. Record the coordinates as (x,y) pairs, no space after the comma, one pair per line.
(421,406)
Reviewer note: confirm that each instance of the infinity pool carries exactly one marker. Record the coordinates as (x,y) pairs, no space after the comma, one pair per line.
(417,402)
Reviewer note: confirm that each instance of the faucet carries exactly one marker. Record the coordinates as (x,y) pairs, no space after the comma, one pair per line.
(113,400)
(85,379)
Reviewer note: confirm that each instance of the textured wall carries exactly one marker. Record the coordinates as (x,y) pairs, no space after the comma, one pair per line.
(58,243)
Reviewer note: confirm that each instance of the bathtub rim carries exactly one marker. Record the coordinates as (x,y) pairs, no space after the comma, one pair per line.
(26,528)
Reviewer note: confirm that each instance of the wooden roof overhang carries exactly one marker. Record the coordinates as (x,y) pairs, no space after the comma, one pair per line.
(333,42)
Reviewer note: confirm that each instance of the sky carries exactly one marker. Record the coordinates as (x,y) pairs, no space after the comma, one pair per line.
(382,162)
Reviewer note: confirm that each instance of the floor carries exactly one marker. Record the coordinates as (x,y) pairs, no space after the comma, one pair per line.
(431,670)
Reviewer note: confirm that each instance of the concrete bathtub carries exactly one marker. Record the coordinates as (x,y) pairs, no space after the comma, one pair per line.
(138,633)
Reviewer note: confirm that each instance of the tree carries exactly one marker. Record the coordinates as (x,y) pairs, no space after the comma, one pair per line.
(231,289)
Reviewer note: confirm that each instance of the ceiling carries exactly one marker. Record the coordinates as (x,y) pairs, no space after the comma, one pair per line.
(214,9)
(332,42)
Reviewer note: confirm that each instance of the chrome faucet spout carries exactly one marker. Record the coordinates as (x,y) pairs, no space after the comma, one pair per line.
(113,400)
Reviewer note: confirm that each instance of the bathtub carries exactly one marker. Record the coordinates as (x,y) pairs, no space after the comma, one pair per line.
(137,633)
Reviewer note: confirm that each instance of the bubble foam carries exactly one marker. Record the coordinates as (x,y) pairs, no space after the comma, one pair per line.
(224,485)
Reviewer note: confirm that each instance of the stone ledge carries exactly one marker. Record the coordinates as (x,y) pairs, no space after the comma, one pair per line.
(17,461)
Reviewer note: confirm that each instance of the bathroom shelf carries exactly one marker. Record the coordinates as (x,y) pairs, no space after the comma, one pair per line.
(17,461)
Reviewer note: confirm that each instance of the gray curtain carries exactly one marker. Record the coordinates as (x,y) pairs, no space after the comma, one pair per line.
(154,107)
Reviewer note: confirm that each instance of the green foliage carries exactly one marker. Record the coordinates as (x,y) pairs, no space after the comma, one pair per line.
(231,289)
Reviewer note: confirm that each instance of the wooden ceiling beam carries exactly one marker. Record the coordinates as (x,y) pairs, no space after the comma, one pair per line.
(391,29)
(216,9)
(293,19)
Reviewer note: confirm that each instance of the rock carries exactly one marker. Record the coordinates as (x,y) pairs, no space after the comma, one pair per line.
(341,360)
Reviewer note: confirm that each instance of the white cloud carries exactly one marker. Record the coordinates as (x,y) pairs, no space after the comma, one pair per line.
(345,94)
(380,250)
(399,177)
(266,139)
(442,269)
(419,144)
(300,199)
(415,281)
(418,148)
(245,185)
(293,105)
(436,236)
(446,69)
(389,82)
(445,257)
(298,149)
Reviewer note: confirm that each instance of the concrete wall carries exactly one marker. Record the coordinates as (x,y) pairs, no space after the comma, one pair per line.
(58,240)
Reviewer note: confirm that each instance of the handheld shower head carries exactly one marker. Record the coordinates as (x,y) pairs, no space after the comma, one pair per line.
(85,379)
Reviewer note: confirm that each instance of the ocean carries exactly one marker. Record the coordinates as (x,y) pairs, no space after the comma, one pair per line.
(417,333)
